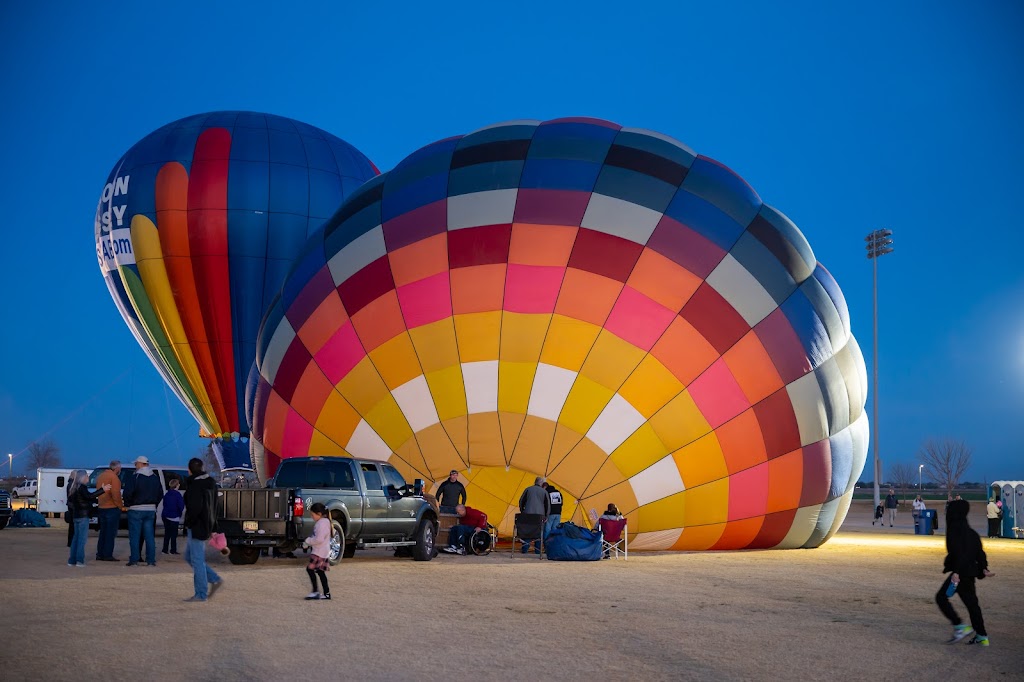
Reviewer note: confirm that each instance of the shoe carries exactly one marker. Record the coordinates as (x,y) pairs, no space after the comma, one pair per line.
(70,564)
(328,598)
(960,632)
(80,565)
(164,551)
(193,598)
(890,525)
(214,587)
(448,549)
(460,550)
(979,639)
(151,564)
(132,563)
(312,595)
(173,552)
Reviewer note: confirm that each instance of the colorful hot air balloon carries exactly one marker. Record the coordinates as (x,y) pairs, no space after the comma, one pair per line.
(195,230)
(592,303)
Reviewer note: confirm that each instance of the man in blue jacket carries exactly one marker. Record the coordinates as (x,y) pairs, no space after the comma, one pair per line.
(142,494)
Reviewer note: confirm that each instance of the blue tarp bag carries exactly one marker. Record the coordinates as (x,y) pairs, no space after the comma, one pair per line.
(28,518)
(569,542)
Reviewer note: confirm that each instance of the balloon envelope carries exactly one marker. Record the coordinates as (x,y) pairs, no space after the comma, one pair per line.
(592,303)
(195,231)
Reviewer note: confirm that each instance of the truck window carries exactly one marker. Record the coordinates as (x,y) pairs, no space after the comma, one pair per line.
(340,475)
(290,475)
(372,477)
(392,477)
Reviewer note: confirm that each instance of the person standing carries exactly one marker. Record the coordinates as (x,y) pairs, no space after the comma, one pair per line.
(993,512)
(320,544)
(918,510)
(110,507)
(555,517)
(80,506)
(142,494)
(535,500)
(451,493)
(200,522)
(891,502)
(174,506)
(965,562)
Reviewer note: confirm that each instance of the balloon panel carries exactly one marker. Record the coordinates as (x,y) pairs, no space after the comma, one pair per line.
(592,303)
(195,230)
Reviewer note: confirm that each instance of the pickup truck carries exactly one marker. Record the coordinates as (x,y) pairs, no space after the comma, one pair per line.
(368,502)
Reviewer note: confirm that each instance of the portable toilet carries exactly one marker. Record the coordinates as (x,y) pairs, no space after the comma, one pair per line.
(1012,495)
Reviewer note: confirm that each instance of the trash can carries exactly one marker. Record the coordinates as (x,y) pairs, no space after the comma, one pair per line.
(926,526)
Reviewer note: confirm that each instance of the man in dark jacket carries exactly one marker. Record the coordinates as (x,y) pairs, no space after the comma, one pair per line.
(965,562)
(142,494)
(535,500)
(451,493)
(200,523)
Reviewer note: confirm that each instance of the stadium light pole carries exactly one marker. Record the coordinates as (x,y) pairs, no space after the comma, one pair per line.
(10,463)
(920,479)
(878,244)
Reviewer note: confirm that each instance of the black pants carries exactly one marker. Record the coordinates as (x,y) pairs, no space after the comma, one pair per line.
(970,599)
(170,536)
(323,580)
(993,528)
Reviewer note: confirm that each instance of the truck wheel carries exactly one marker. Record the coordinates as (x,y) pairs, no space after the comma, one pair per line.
(243,556)
(424,550)
(338,548)
(4,521)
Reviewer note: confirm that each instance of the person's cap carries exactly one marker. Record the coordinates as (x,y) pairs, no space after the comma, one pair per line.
(453,471)
(142,459)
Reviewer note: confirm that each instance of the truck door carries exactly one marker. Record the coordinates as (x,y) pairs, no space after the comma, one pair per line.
(375,511)
(401,512)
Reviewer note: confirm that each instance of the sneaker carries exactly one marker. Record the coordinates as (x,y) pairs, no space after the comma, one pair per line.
(979,639)
(960,632)
(132,563)
(460,550)
(328,598)
(151,564)
(214,587)
(193,598)
(313,595)
(79,565)
(450,549)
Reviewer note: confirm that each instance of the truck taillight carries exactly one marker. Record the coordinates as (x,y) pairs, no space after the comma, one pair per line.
(298,507)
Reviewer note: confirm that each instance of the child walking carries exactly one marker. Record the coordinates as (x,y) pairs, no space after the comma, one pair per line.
(965,561)
(320,543)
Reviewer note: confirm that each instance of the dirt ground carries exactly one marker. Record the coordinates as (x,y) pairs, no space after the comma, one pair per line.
(859,607)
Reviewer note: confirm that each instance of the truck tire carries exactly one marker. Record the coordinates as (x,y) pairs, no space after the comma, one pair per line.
(241,555)
(4,521)
(425,536)
(338,548)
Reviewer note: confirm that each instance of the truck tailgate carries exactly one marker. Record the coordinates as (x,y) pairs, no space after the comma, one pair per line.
(261,512)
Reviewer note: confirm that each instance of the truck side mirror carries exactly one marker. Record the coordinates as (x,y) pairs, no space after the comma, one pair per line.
(392,492)
(417,487)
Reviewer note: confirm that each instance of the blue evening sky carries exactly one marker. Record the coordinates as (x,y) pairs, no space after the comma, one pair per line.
(847,118)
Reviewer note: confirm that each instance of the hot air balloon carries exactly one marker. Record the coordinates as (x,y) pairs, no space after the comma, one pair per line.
(195,230)
(592,303)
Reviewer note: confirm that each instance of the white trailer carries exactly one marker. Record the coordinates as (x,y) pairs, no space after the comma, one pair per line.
(52,491)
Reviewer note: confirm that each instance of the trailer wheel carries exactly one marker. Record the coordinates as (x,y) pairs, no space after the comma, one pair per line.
(241,555)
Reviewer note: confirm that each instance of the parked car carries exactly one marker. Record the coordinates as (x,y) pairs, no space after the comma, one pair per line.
(368,502)
(26,489)
(6,511)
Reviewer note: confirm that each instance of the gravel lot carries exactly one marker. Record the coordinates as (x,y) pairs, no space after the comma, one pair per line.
(860,606)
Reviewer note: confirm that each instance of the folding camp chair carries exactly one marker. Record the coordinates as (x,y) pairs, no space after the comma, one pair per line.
(528,528)
(614,537)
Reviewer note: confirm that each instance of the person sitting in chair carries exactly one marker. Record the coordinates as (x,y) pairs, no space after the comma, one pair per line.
(610,514)
(470,521)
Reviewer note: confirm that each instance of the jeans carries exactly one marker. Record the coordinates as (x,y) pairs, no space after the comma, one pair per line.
(552,521)
(170,536)
(141,526)
(457,535)
(77,553)
(201,573)
(109,521)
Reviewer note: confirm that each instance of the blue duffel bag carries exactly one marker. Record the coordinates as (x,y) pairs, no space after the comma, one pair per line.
(569,542)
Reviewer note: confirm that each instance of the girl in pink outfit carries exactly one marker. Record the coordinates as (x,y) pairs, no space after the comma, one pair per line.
(320,543)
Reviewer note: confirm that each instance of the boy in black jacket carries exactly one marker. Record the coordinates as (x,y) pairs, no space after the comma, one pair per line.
(965,561)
